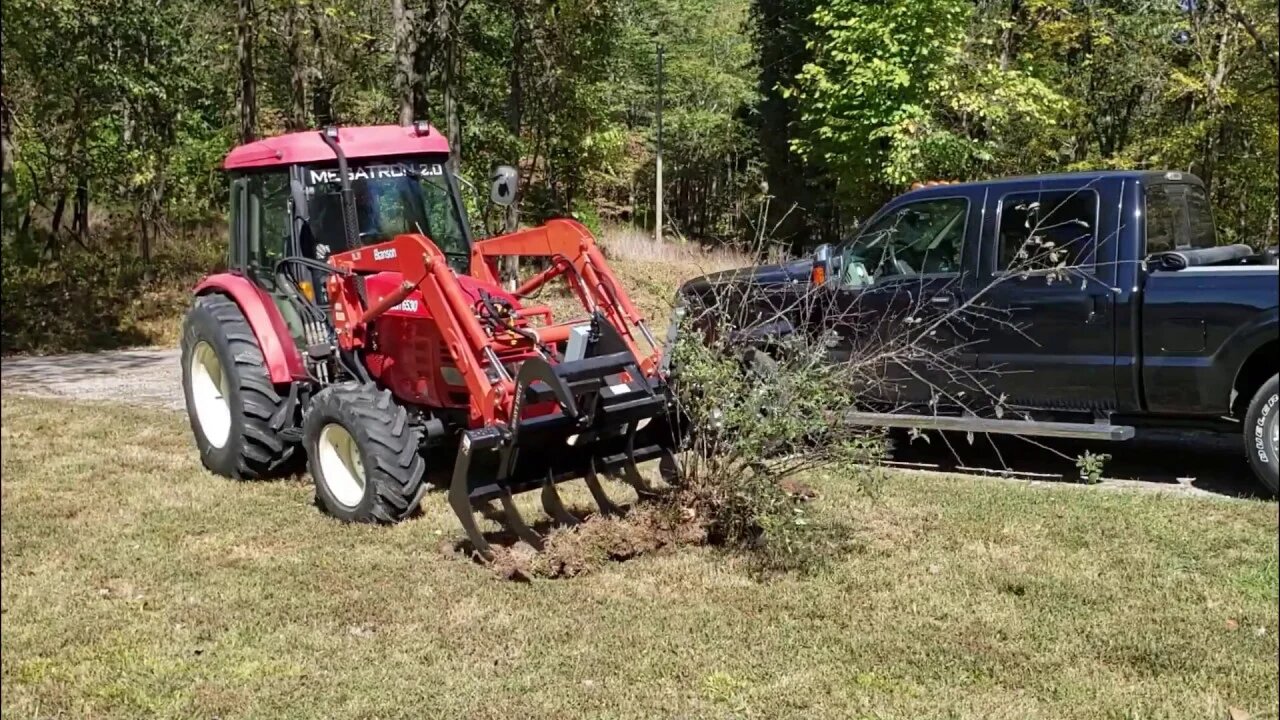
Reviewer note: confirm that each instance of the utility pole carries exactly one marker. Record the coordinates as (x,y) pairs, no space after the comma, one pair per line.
(657,192)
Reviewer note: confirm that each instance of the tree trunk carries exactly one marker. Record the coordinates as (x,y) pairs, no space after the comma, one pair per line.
(450,80)
(1007,38)
(8,188)
(321,84)
(426,55)
(297,118)
(515,102)
(404,81)
(80,211)
(144,235)
(247,99)
(59,208)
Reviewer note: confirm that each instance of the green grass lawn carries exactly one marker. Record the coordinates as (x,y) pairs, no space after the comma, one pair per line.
(135,584)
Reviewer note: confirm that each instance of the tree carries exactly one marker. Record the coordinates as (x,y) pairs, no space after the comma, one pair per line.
(247,99)
(406,79)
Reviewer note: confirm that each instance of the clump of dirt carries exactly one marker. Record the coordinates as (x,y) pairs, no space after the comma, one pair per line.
(584,548)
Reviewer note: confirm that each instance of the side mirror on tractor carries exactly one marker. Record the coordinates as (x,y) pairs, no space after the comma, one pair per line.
(502,189)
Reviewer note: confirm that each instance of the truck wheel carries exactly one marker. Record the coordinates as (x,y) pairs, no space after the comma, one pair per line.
(236,413)
(364,454)
(1260,434)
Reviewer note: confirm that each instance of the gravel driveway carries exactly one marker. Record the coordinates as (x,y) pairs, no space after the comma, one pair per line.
(1183,463)
(140,377)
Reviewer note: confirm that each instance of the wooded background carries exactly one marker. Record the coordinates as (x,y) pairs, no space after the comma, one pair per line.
(790,119)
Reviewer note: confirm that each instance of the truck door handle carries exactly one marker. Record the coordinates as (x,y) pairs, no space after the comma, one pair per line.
(943,301)
(1097,305)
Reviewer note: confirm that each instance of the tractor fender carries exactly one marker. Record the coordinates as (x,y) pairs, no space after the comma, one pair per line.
(284,363)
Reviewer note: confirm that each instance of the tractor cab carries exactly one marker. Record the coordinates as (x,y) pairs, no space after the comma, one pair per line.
(287,196)
(288,215)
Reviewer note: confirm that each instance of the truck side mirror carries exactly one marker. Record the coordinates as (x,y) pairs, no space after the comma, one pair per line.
(821,271)
(502,190)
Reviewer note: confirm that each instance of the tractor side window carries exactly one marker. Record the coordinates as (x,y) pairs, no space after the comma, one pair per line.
(444,227)
(268,208)
(920,238)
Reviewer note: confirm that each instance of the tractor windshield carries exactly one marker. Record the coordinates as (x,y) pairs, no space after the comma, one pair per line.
(391,199)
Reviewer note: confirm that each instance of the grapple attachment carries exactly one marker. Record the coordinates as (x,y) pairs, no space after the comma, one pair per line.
(599,415)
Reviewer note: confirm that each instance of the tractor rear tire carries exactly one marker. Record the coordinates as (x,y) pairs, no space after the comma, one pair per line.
(236,413)
(364,455)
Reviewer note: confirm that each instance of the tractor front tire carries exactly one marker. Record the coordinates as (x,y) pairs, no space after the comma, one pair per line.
(364,455)
(236,413)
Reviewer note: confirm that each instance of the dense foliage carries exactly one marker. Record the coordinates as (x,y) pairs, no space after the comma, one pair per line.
(783,118)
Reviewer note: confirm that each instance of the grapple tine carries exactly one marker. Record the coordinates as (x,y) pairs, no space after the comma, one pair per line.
(460,489)
(553,506)
(607,507)
(516,522)
(461,505)
(630,474)
(669,468)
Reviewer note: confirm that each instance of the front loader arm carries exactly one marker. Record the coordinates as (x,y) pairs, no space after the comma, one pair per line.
(426,269)
(573,252)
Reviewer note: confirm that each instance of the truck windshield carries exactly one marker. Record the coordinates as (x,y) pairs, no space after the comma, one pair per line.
(391,199)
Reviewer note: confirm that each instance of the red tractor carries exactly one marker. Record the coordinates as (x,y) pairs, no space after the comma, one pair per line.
(362,326)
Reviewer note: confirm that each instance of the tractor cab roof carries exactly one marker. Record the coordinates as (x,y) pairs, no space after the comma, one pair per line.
(306,147)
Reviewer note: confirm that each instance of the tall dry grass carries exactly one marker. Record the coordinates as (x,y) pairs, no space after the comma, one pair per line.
(625,242)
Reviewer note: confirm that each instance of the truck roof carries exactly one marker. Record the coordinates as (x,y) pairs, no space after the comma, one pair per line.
(1080,177)
(375,141)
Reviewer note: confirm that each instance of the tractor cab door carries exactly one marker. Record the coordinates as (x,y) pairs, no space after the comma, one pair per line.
(263,232)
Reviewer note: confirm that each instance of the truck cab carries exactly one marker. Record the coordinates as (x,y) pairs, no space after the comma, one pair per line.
(1084,304)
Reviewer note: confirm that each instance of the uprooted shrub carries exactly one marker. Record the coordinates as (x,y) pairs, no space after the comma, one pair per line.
(758,417)
(762,412)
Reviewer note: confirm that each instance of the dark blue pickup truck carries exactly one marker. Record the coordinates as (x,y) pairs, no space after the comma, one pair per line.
(1088,303)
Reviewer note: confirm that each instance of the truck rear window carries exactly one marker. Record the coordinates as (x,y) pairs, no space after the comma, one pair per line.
(1178,218)
(1047,229)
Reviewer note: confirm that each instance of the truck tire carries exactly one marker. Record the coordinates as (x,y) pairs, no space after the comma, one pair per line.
(236,413)
(364,455)
(1260,441)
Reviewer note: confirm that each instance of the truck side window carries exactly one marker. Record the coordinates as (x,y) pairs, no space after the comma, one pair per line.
(1041,231)
(919,238)
(1200,218)
(1166,219)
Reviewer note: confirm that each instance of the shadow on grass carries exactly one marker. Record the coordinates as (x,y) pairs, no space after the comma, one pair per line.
(1200,460)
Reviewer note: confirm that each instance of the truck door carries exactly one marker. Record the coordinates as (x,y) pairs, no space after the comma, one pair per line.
(899,274)
(1047,269)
